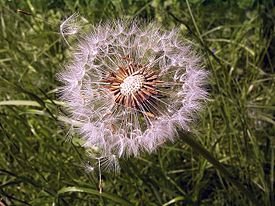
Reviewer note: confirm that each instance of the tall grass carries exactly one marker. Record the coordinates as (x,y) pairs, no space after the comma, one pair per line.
(227,159)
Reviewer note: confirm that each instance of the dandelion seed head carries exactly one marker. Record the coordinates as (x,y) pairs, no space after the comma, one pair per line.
(129,86)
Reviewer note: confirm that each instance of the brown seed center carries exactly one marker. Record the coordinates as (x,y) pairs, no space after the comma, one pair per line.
(135,86)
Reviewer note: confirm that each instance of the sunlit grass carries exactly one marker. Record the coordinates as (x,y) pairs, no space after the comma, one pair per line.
(39,167)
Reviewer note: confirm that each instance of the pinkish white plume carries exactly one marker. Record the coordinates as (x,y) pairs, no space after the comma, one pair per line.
(129,86)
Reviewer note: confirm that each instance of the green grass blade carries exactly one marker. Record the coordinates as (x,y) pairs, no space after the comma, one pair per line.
(225,173)
(20,103)
(174,200)
(109,196)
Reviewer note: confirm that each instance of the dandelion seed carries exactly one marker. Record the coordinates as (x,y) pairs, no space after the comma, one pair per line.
(89,168)
(69,27)
(129,86)
(109,163)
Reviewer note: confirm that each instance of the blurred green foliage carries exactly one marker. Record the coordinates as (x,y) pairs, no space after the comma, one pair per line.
(37,165)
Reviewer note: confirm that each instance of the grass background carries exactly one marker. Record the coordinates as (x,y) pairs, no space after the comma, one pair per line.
(37,165)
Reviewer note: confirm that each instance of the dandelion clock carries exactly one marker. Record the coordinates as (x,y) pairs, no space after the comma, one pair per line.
(128,86)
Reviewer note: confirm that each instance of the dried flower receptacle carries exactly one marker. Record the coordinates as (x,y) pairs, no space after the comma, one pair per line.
(135,87)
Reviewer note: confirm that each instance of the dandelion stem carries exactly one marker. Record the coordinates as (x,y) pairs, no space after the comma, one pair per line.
(225,173)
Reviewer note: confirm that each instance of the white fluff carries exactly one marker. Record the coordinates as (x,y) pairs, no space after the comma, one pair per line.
(117,131)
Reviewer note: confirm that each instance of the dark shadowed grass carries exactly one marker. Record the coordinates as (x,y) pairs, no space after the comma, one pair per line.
(37,165)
